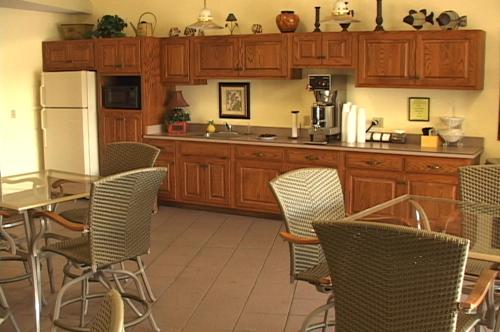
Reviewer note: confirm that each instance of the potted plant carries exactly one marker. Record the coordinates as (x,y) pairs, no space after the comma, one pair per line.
(176,121)
(110,26)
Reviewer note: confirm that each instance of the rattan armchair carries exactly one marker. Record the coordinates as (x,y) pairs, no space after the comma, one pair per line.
(481,184)
(393,278)
(110,315)
(119,230)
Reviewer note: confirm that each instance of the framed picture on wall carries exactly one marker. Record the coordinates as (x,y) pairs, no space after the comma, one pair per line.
(234,100)
(419,108)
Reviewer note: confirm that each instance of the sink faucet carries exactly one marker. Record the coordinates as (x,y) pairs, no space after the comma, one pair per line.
(229,127)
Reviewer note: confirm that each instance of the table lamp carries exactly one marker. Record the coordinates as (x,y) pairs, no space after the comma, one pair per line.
(177,121)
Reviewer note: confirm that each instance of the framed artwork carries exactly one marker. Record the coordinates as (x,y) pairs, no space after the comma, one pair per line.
(418,108)
(234,100)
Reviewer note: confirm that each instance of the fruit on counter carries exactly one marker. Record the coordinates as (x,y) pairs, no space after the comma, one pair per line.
(211,127)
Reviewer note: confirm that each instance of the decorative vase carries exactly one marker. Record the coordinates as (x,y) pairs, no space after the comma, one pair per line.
(287,21)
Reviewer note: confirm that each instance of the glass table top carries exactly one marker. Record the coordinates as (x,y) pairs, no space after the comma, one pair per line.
(42,188)
(480,223)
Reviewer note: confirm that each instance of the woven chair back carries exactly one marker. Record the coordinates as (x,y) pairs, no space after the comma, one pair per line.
(392,278)
(120,215)
(480,184)
(306,195)
(125,156)
(110,315)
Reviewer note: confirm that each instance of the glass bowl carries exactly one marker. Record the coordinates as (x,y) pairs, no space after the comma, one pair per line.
(452,121)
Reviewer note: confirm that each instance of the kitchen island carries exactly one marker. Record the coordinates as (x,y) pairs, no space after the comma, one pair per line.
(232,172)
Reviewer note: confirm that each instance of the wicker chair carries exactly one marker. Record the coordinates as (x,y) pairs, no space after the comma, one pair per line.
(110,315)
(119,230)
(5,312)
(392,278)
(481,184)
(118,157)
(306,195)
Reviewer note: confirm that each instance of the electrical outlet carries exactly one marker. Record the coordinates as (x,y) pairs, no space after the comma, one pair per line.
(12,114)
(380,123)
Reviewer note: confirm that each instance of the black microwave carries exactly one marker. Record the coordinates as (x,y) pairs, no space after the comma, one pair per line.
(121,96)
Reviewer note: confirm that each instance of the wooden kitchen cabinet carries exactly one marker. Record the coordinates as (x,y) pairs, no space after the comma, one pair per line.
(204,173)
(119,126)
(427,59)
(68,55)
(165,159)
(175,60)
(255,166)
(118,55)
(332,49)
(240,56)
(302,158)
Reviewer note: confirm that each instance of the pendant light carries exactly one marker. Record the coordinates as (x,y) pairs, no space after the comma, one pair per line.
(205,20)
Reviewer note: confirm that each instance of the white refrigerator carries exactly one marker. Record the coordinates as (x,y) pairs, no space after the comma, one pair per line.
(69,121)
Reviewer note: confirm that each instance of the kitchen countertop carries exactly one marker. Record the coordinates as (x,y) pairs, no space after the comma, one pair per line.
(467,152)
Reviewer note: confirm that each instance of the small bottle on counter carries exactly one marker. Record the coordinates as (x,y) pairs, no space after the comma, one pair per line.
(295,124)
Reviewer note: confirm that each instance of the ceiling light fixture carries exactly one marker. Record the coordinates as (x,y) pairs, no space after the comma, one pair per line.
(205,20)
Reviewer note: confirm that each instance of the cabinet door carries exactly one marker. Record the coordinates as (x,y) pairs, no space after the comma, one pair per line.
(119,126)
(306,49)
(263,56)
(339,49)
(191,179)
(175,60)
(217,182)
(118,55)
(68,55)
(252,191)
(216,57)
(165,159)
(386,58)
(366,188)
(450,59)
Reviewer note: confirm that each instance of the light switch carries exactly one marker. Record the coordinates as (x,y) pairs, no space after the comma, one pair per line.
(12,114)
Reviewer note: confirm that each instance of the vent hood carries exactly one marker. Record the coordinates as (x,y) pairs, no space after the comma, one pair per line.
(54,6)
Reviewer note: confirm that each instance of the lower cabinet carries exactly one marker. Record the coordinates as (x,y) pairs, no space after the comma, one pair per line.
(204,173)
(165,159)
(254,167)
(119,126)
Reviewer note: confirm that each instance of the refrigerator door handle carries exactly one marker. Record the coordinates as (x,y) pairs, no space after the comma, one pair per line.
(44,129)
(42,95)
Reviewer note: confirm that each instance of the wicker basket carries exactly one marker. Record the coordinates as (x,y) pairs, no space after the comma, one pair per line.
(75,31)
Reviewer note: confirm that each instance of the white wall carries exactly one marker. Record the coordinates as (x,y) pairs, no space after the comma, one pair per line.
(20,67)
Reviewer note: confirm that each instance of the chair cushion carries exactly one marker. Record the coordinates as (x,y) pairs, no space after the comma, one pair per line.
(76,215)
(77,250)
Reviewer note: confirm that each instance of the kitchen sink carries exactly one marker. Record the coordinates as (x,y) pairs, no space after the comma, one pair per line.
(225,134)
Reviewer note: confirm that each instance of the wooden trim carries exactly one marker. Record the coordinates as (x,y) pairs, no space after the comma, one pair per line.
(60,220)
(297,239)
(481,288)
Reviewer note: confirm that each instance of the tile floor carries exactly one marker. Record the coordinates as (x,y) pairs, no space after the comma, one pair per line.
(210,272)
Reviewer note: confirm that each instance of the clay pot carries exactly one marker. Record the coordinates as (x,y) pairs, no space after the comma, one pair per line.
(287,21)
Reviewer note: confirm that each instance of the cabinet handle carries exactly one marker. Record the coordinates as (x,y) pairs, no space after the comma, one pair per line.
(374,162)
(259,154)
(120,119)
(322,57)
(401,182)
(68,61)
(311,157)
(434,167)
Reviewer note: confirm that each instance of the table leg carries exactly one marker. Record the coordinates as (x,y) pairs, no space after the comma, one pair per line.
(30,236)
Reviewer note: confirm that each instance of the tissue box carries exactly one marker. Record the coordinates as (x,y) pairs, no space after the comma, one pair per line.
(430,141)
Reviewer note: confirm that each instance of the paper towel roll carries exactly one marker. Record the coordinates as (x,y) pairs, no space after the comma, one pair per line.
(295,123)
(345,112)
(361,125)
(351,124)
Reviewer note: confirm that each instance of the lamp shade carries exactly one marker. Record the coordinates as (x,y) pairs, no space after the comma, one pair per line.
(205,20)
(231,18)
(176,100)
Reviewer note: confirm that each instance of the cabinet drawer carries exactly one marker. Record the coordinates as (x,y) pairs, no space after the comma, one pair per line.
(375,161)
(167,148)
(311,157)
(434,165)
(259,153)
(215,150)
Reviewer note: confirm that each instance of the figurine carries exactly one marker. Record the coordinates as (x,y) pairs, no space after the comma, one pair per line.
(417,19)
(256,28)
(450,20)
(188,31)
(174,32)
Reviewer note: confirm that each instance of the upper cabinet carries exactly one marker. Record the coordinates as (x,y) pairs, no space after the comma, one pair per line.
(240,56)
(428,59)
(324,49)
(175,60)
(118,55)
(68,55)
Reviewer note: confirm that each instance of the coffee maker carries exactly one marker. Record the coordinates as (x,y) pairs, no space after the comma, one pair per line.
(329,94)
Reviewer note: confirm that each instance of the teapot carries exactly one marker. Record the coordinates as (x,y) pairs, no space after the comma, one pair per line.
(144,29)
